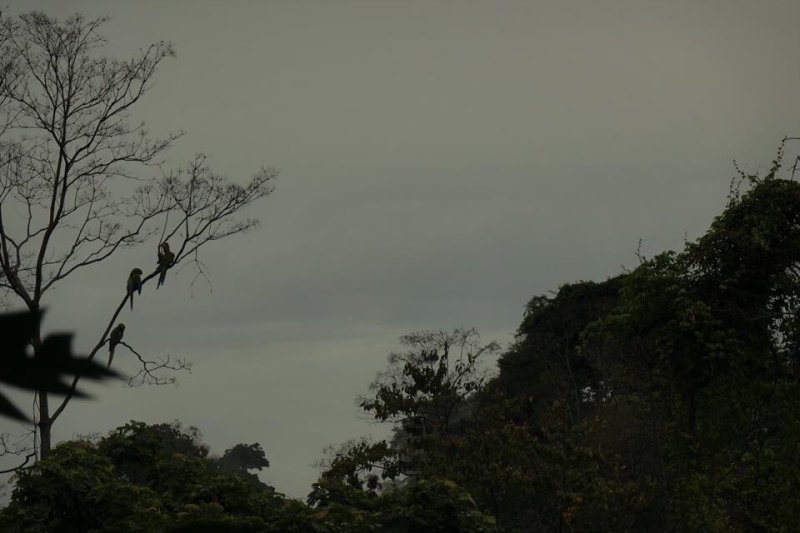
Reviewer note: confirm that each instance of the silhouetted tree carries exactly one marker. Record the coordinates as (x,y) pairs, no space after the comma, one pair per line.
(76,177)
(243,458)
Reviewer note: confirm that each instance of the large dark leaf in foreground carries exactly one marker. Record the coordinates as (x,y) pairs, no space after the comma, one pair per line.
(46,372)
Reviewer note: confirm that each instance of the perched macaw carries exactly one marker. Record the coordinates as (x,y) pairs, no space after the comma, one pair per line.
(134,283)
(165,259)
(114,338)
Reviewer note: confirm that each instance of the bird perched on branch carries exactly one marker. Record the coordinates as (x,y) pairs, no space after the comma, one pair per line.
(114,338)
(165,259)
(134,283)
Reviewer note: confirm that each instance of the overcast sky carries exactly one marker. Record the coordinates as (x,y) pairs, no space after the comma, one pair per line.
(441,163)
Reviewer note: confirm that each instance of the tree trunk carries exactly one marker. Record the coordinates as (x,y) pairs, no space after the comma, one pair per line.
(45,424)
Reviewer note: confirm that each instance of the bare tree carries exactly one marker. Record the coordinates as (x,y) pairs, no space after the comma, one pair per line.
(79,183)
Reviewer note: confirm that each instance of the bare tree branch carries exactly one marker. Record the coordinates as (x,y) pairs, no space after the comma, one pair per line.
(28,457)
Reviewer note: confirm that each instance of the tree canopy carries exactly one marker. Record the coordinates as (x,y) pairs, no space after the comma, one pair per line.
(161,478)
(665,398)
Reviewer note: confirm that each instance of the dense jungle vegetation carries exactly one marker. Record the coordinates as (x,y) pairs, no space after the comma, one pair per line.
(665,398)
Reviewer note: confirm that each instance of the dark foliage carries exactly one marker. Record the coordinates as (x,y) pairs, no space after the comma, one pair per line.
(46,372)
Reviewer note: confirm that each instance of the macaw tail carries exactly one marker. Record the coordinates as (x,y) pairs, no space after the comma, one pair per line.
(131,295)
(110,355)
(162,276)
